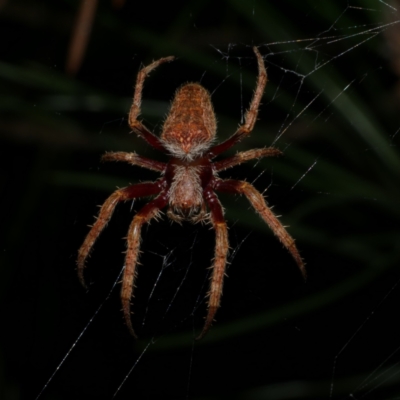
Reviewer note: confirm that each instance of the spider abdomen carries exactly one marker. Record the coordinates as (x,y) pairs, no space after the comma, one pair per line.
(191,124)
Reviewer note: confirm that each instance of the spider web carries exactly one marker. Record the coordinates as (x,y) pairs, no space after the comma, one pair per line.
(330,106)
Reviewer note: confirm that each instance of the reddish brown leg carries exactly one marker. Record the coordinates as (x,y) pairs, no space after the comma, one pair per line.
(134,112)
(251,114)
(221,251)
(148,212)
(246,156)
(134,159)
(258,202)
(106,211)
(148,136)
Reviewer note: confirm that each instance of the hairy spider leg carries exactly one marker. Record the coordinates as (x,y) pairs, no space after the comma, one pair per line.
(250,117)
(244,156)
(134,112)
(148,136)
(149,211)
(134,159)
(131,192)
(257,200)
(220,255)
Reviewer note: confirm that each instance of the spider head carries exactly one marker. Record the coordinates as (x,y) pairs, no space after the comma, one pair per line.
(190,127)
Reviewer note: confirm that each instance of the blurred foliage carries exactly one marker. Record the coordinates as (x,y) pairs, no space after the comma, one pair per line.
(331,105)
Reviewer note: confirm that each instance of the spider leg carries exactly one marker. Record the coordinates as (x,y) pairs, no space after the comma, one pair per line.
(106,211)
(149,211)
(221,251)
(148,136)
(250,117)
(134,159)
(244,156)
(134,112)
(258,202)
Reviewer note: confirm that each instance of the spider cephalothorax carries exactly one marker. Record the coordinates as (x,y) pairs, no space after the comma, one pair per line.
(188,182)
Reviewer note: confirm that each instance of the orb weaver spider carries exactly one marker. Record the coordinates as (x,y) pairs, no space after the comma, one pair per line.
(188,181)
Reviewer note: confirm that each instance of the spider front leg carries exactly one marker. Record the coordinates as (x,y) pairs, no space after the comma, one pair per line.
(258,202)
(106,211)
(221,251)
(149,211)
(134,112)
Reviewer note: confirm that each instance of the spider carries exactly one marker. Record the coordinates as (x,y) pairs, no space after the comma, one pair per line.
(188,181)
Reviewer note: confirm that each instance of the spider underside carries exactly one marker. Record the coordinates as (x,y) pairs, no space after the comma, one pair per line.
(188,181)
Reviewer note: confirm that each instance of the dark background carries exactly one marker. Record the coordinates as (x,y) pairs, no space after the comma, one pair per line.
(275,337)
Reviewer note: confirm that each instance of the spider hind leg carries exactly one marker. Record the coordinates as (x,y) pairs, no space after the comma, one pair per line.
(135,110)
